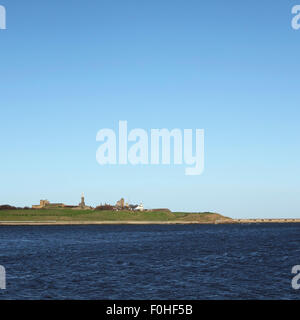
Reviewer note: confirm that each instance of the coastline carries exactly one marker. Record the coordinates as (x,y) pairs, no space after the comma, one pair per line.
(68,216)
(66,223)
(132,222)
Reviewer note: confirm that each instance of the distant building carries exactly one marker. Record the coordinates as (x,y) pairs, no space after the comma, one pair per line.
(46,204)
(140,207)
(82,203)
(120,204)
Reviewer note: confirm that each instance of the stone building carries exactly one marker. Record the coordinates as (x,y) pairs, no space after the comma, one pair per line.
(82,203)
(46,204)
(120,204)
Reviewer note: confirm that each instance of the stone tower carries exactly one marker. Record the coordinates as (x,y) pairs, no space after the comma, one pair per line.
(82,203)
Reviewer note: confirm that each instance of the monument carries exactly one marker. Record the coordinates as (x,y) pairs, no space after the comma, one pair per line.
(82,203)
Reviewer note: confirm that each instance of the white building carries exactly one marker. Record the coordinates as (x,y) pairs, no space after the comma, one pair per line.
(140,207)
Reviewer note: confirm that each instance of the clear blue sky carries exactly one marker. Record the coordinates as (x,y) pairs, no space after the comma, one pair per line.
(70,68)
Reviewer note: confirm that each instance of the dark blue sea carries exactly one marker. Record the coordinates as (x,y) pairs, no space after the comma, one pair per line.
(150,261)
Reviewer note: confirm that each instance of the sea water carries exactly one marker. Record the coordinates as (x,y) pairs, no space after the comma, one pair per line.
(150,261)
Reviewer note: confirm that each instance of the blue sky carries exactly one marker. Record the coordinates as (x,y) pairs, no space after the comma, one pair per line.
(71,68)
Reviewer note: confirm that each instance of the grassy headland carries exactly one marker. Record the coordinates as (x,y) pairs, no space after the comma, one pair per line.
(69,216)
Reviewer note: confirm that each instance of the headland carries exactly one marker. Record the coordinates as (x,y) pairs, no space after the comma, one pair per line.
(68,216)
(47,213)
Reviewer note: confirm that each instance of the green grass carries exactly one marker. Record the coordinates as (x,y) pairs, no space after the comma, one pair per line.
(61,215)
